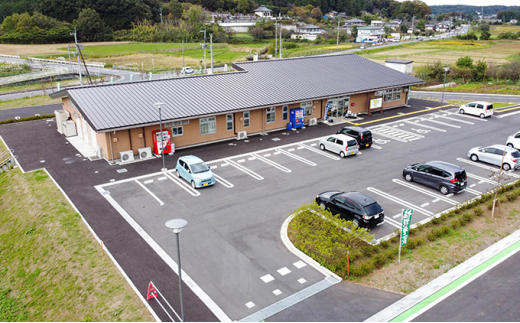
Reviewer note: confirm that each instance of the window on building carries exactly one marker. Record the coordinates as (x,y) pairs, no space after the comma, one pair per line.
(177,131)
(208,125)
(308,107)
(246,119)
(270,115)
(229,122)
(285,112)
(392,95)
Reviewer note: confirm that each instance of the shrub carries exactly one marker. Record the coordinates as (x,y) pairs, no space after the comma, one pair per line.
(489,205)
(379,260)
(385,244)
(368,251)
(414,242)
(362,269)
(436,220)
(455,224)
(434,234)
(478,211)
(465,218)
(444,230)
(444,217)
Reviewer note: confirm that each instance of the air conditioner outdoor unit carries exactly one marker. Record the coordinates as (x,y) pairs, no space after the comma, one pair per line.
(145,152)
(313,121)
(127,156)
(242,135)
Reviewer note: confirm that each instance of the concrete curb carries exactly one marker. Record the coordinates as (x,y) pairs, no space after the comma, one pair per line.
(440,282)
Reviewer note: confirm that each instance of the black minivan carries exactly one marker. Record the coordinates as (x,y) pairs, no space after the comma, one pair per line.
(362,135)
(445,177)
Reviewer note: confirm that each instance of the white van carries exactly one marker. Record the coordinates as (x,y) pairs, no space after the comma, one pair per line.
(340,144)
(479,108)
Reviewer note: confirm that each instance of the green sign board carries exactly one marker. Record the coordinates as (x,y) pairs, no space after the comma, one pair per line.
(405,225)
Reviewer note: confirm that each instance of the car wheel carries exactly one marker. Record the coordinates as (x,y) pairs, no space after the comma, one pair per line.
(506,166)
(356,222)
(193,184)
(444,190)
(510,145)
(474,157)
(482,116)
(408,177)
(322,146)
(177,173)
(322,206)
(341,154)
(461,111)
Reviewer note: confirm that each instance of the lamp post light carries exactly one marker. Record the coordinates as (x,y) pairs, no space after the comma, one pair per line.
(446,69)
(176,225)
(159,106)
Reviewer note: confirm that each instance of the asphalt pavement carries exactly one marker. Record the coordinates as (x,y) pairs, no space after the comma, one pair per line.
(466,96)
(7,114)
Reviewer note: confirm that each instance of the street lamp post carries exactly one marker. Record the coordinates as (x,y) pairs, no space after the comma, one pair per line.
(446,69)
(159,106)
(176,225)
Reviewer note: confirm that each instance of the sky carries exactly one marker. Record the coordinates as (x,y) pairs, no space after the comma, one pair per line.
(472,2)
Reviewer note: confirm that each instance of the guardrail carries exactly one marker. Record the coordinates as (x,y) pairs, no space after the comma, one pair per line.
(7,160)
(127,68)
(32,76)
(63,62)
(10,56)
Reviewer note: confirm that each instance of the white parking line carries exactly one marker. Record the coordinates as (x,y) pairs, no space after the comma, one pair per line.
(495,169)
(245,170)
(148,181)
(300,148)
(442,123)
(453,119)
(474,192)
(183,185)
(290,149)
(267,155)
(224,165)
(481,179)
(472,185)
(393,222)
(376,147)
(251,158)
(466,116)
(223,181)
(424,126)
(436,200)
(398,200)
(275,153)
(425,204)
(272,163)
(213,167)
(319,152)
(398,215)
(424,191)
(314,144)
(161,203)
(303,160)
(241,160)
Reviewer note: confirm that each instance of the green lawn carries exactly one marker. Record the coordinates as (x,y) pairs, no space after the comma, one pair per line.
(51,268)
(28,102)
(131,48)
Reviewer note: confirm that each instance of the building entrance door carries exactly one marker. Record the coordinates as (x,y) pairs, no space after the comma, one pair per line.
(339,107)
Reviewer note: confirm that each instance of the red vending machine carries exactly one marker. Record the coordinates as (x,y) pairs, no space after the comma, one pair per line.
(166,142)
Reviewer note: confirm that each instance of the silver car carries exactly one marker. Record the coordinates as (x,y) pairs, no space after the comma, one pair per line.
(494,154)
(340,144)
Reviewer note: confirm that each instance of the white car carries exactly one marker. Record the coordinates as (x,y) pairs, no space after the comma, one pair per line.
(340,144)
(514,141)
(497,155)
(478,108)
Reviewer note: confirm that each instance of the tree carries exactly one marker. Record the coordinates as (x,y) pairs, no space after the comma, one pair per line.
(257,32)
(485,35)
(316,13)
(90,26)
(354,31)
(243,6)
(479,69)
(175,8)
(403,28)
(465,61)
(420,25)
(484,27)
(367,18)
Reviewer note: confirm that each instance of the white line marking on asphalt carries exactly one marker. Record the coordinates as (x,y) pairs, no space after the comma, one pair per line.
(496,169)
(275,153)
(319,152)
(245,170)
(480,182)
(453,119)
(272,163)
(224,165)
(436,200)
(449,195)
(439,122)
(162,178)
(425,191)
(183,185)
(398,215)
(376,146)
(474,192)
(213,167)
(150,192)
(302,281)
(399,201)
(481,179)
(472,185)
(250,304)
(290,149)
(267,155)
(314,144)
(251,158)
(393,222)
(424,126)
(276,292)
(300,148)
(299,264)
(267,278)
(223,181)
(466,116)
(507,114)
(148,181)
(241,160)
(425,204)
(283,271)
(303,160)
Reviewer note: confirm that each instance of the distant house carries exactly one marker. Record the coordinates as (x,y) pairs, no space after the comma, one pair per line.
(513,21)
(397,21)
(392,26)
(263,11)
(444,26)
(342,14)
(354,22)
(495,21)
(429,27)
(377,23)
(310,29)
(370,34)
(400,65)
(333,14)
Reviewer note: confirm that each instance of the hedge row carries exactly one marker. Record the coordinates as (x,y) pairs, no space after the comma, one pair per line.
(43,116)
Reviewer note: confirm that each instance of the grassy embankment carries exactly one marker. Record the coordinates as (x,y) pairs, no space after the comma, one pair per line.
(51,268)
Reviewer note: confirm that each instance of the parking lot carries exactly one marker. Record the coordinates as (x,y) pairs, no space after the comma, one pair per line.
(232,247)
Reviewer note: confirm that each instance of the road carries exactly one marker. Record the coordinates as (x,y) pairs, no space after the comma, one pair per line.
(29,111)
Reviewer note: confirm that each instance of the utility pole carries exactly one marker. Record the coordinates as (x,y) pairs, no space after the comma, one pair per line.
(183,53)
(204,31)
(413,20)
(68,49)
(211,50)
(160,13)
(79,65)
(281,40)
(337,38)
(275,38)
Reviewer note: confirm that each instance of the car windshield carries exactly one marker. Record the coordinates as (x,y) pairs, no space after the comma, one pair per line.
(515,154)
(373,208)
(199,168)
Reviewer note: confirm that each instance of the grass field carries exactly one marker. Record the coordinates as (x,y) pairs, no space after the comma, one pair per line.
(28,102)
(36,86)
(51,268)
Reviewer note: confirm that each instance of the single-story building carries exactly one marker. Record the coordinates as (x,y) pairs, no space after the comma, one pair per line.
(354,22)
(403,66)
(257,98)
(263,11)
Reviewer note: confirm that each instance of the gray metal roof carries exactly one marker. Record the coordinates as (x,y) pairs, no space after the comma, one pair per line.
(256,84)
(262,8)
(398,61)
